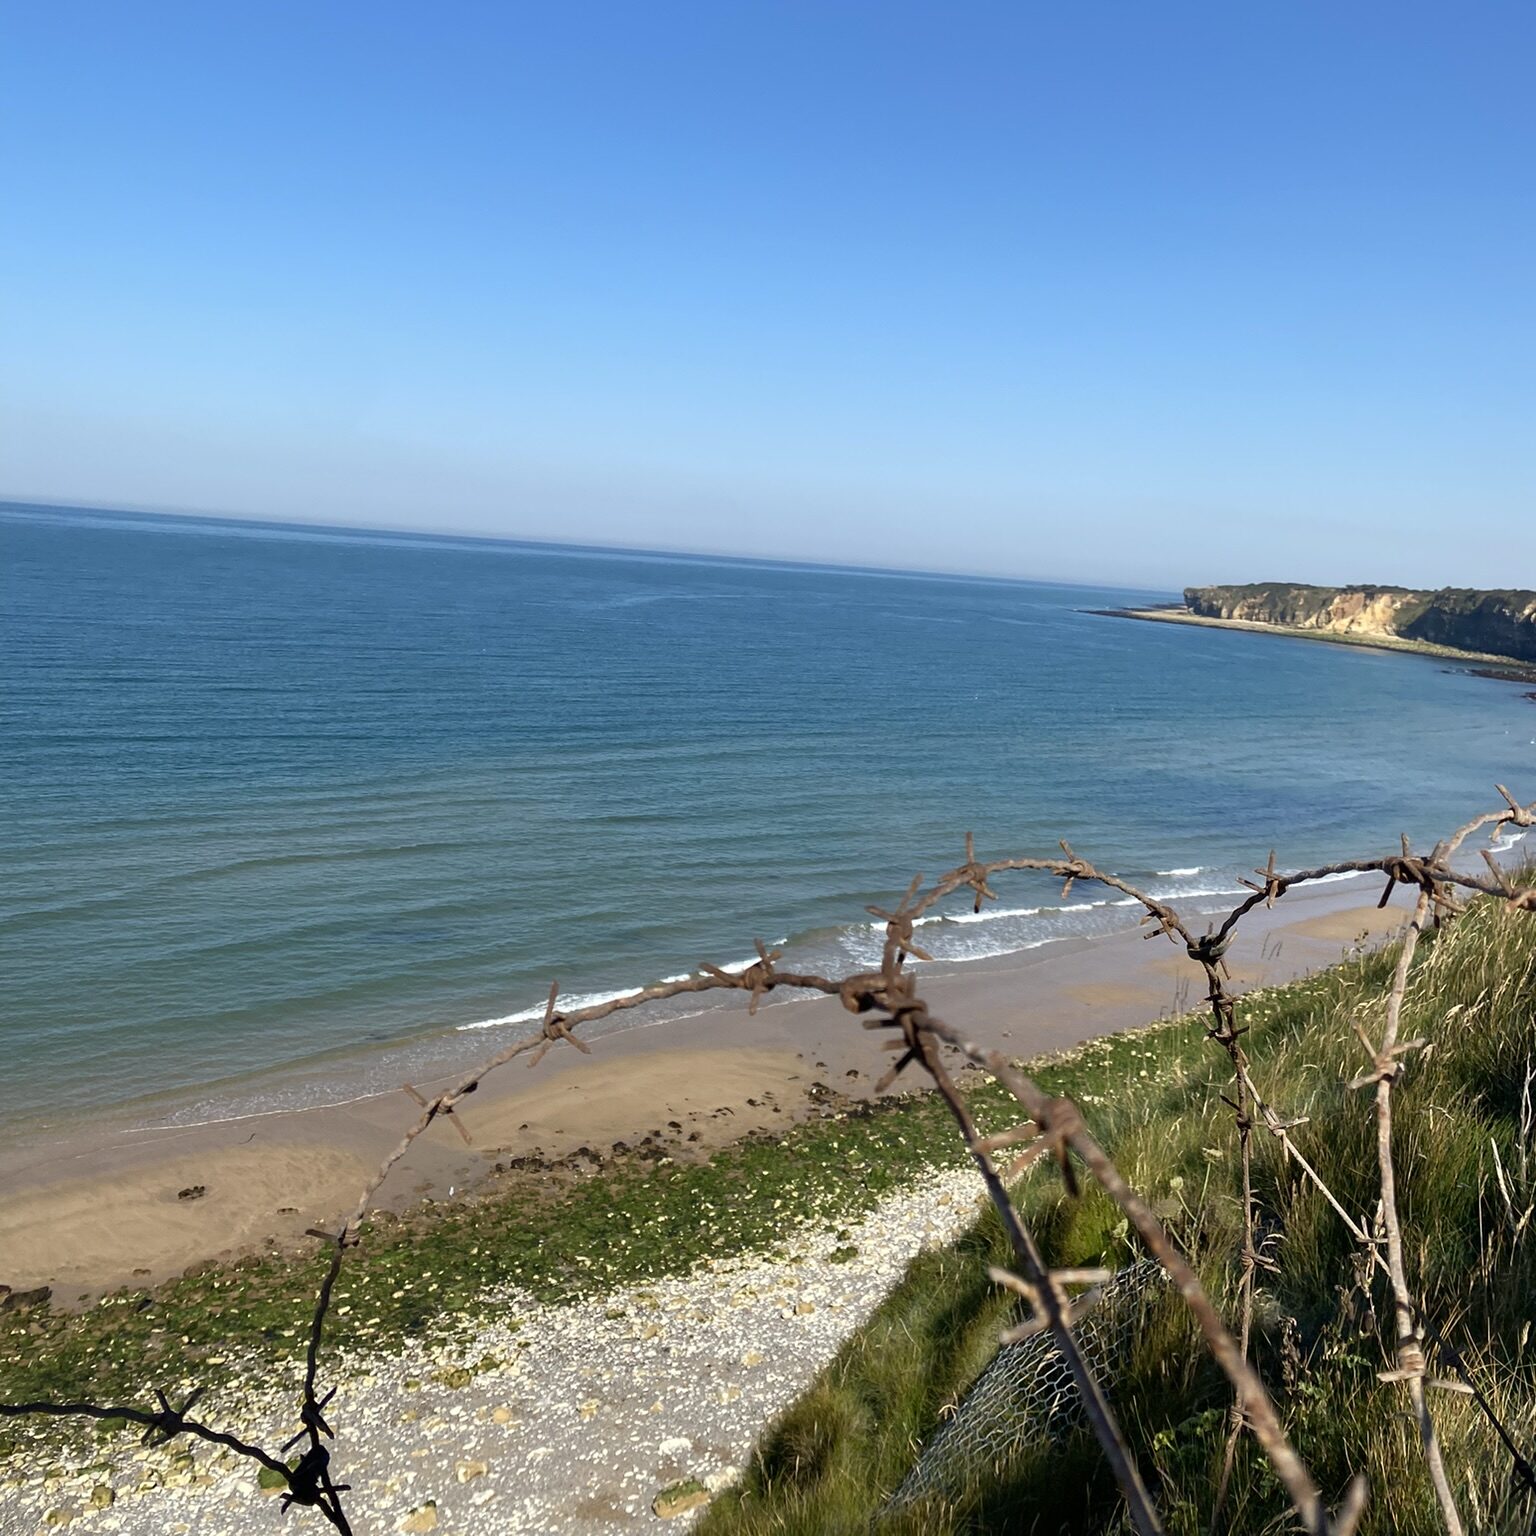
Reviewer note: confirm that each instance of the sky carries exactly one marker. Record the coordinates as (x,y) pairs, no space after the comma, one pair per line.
(1148,294)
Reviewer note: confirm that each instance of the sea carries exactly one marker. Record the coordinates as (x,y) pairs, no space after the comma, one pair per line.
(285,805)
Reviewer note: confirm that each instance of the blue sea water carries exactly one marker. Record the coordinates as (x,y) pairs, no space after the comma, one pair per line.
(276,795)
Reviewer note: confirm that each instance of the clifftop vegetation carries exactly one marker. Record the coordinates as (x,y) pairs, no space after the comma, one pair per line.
(1466,1136)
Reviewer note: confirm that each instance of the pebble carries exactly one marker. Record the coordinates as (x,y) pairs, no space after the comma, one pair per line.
(589,1418)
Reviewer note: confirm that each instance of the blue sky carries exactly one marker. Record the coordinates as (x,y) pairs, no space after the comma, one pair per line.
(1149,293)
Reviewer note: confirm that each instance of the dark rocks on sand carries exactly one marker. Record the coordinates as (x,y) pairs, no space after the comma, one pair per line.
(19,1301)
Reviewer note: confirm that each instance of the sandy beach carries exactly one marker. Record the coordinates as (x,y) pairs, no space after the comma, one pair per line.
(107,1204)
(584,1415)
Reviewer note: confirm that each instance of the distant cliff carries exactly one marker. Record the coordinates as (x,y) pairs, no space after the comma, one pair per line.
(1495,623)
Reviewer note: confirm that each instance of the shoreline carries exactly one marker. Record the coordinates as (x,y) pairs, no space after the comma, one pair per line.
(1509,669)
(338,1075)
(591,1393)
(104,1205)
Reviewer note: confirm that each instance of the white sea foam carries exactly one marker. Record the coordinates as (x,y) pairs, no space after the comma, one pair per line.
(579,1000)
(252,1114)
(854,939)
(1506,840)
(565,1005)
(981,950)
(988,914)
(991,915)
(736,967)
(1189,893)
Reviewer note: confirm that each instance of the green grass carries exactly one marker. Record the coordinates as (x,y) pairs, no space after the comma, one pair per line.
(634,1221)
(425,1274)
(1153,1096)
(834,1457)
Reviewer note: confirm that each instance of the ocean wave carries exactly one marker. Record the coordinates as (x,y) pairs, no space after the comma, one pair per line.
(567,1005)
(959,937)
(981,950)
(731,968)
(993,933)
(736,967)
(579,1000)
(1506,840)
(986,915)
(1193,892)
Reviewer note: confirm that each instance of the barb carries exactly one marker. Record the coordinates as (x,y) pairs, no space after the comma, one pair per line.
(1046,1293)
(1054,1129)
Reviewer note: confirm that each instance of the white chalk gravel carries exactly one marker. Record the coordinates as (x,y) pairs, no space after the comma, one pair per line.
(533,1419)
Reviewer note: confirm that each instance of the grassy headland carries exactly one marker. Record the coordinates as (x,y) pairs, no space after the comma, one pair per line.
(1467,1180)
(1496,623)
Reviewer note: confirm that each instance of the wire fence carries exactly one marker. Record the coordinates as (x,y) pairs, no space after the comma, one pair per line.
(1024,1396)
(1053,1131)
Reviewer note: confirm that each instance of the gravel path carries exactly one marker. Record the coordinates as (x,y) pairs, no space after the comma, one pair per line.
(538,1419)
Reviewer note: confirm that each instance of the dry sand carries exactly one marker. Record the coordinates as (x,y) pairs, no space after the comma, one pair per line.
(102,1206)
(89,1213)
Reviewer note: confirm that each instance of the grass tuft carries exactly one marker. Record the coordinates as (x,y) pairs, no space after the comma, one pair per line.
(1464,1127)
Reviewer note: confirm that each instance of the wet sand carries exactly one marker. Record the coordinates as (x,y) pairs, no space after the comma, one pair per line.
(107,1205)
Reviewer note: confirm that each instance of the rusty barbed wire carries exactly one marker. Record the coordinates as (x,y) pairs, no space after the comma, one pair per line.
(1053,1130)
(308,1484)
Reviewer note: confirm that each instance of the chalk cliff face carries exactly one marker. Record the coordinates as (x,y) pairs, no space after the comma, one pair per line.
(1498,623)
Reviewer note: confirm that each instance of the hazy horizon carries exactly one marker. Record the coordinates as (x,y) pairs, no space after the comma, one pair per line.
(446,533)
(453,535)
(1208,295)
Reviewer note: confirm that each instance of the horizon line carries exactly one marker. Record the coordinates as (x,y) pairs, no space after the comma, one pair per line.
(345,530)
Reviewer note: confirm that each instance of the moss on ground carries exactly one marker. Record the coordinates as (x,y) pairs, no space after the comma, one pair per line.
(633,1222)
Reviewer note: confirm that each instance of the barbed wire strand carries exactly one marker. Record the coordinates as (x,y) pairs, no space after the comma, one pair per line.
(1054,1127)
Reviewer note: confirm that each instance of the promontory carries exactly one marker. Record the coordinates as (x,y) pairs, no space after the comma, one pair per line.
(1485,625)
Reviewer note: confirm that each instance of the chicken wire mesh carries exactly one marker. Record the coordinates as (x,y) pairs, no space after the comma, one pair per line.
(1025,1394)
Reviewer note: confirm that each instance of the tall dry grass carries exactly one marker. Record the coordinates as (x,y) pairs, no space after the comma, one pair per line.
(1464,1125)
